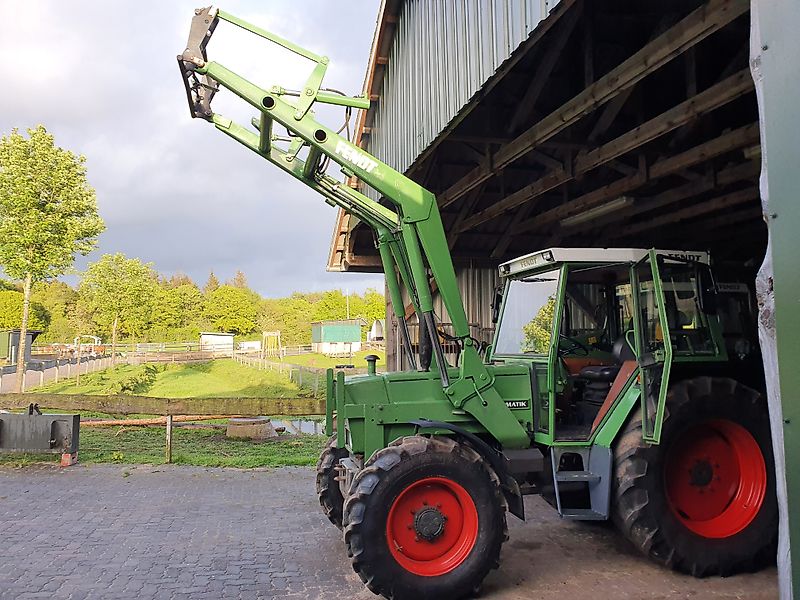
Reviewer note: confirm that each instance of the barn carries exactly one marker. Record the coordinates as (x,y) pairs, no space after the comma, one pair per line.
(610,123)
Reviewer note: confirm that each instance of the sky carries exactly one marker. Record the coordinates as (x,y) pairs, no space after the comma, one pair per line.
(102,77)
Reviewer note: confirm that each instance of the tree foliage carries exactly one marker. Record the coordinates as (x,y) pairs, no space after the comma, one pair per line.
(48,211)
(539,329)
(231,309)
(11,312)
(211,284)
(118,294)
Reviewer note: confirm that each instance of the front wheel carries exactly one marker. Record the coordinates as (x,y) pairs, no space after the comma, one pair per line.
(328,491)
(425,518)
(703,500)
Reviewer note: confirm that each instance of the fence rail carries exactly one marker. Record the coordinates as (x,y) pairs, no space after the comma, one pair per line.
(123,404)
(310,379)
(48,371)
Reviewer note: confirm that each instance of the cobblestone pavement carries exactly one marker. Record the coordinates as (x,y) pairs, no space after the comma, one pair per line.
(113,531)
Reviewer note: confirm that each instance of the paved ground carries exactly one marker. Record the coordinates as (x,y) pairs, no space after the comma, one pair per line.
(181,532)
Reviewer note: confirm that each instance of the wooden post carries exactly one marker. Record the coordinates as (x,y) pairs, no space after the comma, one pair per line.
(41,376)
(56,370)
(168,453)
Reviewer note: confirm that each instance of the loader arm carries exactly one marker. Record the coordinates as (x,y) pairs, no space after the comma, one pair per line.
(409,234)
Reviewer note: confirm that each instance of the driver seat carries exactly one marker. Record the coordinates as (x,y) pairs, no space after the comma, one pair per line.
(607,373)
(599,379)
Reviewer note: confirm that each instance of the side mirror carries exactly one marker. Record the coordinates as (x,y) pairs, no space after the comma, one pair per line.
(708,291)
(496,303)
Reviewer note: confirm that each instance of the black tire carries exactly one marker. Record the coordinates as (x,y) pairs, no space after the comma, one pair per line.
(385,482)
(642,508)
(328,491)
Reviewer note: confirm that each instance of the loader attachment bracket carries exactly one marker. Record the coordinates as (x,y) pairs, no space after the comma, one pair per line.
(200,89)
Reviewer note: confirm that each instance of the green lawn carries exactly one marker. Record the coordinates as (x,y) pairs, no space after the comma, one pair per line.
(214,379)
(323,362)
(207,448)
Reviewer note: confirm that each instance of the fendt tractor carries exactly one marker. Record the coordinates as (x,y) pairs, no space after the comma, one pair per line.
(619,384)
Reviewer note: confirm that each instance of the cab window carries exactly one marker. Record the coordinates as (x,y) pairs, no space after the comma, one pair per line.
(526,325)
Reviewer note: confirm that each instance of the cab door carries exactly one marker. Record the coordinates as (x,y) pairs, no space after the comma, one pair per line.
(653,346)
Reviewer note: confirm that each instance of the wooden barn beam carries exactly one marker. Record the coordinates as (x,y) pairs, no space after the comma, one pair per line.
(710,99)
(544,68)
(717,95)
(697,26)
(668,166)
(469,203)
(705,207)
(613,224)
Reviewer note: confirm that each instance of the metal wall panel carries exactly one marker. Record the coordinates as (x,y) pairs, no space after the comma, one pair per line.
(477,287)
(442,53)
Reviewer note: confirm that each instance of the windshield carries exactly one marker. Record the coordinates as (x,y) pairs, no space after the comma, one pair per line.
(527,322)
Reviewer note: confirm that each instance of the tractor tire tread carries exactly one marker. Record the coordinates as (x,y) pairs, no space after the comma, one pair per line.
(328,492)
(631,496)
(383,461)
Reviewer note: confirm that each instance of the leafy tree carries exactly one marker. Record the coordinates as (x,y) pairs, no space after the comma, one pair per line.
(177,280)
(176,311)
(538,330)
(59,299)
(212,283)
(11,306)
(118,292)
(239,281)
(48,214)
(231,309)
(332,306)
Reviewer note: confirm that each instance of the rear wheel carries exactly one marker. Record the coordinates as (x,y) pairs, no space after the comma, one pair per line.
(703,501)
(328,491)
(425,518)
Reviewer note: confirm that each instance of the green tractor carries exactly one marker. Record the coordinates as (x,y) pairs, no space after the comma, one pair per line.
(619,384)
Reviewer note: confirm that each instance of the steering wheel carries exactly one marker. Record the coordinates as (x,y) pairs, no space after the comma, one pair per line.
(577,348)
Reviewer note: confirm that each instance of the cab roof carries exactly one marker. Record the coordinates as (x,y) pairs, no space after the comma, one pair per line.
(555,256)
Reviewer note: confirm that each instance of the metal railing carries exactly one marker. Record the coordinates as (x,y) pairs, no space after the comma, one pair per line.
(49,371)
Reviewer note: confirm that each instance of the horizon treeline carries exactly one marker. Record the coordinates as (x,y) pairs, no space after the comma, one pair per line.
(146,306)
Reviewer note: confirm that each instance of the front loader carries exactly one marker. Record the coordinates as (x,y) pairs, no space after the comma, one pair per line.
(611,387)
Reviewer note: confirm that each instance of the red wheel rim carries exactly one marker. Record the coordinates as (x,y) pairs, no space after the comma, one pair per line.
(716,478)
(432,526)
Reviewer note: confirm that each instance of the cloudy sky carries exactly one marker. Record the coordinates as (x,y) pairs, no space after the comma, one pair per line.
(102,77)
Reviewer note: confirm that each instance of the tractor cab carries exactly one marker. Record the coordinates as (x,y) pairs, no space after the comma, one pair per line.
(591,321)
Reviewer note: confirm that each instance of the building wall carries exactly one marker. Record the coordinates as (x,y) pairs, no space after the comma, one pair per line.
(335,332)
(335,347)
(441,55)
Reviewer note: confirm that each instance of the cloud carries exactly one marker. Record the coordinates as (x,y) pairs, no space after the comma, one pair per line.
(103,78)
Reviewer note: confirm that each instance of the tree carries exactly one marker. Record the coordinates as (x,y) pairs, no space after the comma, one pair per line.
(48,214)
(212,283)
(231,309)
(118,292)
(11,306)
(538,330)
(239,281)
(176,312)
(59,300)
(177,280)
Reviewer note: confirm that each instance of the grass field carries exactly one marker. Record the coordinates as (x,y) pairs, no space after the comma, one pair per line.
(206,448)
(214,379)
(321,361)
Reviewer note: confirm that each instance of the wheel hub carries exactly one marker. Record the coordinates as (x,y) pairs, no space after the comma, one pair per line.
(701,474)
(429,523)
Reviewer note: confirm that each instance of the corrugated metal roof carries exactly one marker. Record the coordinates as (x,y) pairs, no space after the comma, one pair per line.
(442,53)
